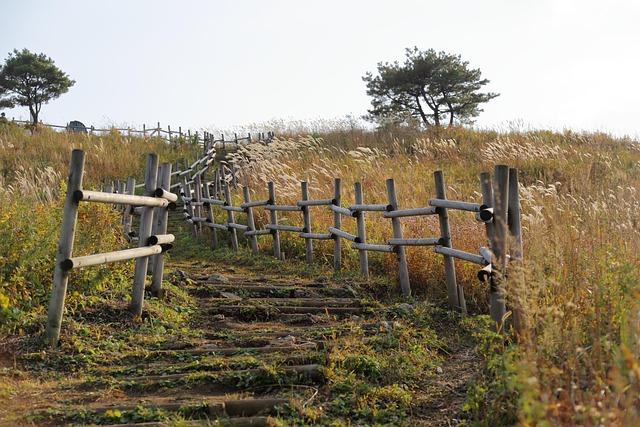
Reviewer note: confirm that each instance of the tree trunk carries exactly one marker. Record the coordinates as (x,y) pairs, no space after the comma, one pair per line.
(34,115)
(451,118)
(421,111)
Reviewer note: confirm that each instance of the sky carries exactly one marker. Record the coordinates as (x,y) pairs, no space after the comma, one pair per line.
(562,64)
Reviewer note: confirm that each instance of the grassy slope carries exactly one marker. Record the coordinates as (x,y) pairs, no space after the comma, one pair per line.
(579,360)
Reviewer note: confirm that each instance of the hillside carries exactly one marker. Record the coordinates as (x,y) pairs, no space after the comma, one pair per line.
(577,362)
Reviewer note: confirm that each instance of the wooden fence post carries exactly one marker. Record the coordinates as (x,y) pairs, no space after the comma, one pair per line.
(155,224)
(146,222)
(164,177)
(197,193)
(230,218)
(445,235)
(337,223)
(253,239)
(65,248)
(274,221)
(128,209)
(362,231)
(211,217)
(516,252)
(497,305)
(487,199)
(306,216)
(405,286)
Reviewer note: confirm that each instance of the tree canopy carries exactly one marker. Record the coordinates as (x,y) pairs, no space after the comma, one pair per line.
(433,87)
(30,80)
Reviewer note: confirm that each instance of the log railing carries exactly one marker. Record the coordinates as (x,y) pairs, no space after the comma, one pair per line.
(499,212)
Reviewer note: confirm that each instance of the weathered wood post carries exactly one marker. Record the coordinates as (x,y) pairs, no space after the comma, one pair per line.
(337,223)
(162,214)
(211,217)
(497,305)
(65,248)
(169,132)
(306,217)
(230,218)
(144,130)
(405,286)
(445,235)
(197,193)
(362,231)
(274,221)
(487,200)
(516,273)
(253,239)
(128,209)
(187,193)
(146,222)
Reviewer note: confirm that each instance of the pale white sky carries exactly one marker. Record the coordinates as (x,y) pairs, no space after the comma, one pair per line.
(556,63)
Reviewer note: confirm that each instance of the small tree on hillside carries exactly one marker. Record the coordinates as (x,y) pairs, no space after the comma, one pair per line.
(30,80)
(431,87)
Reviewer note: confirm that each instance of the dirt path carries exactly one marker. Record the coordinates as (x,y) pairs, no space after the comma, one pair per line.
(260,349)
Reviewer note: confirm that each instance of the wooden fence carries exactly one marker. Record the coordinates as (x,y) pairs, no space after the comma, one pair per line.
(162,133)
(499,212)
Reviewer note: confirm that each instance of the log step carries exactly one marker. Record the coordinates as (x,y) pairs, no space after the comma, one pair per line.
(310,371)
(301,302)
(230,422)
(278,290)
(213,408)
(275,310)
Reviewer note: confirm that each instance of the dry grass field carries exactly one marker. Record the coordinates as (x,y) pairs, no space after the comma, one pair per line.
(578,361)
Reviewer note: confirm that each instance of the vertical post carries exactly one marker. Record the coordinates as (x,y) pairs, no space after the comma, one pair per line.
(169,132)
(65,248)
(405,286)
(212,219)
(146,221)
(216,184)
(362,231)
(144,130)
(128,218)
(274,221)
(156,223)
(306,216)
(164,178)
(453,289)
(253,239)
(337,223)
(487,199)
(230,218)
(187,194)
(516,252)
(197,193)
(234,178)
(497,305)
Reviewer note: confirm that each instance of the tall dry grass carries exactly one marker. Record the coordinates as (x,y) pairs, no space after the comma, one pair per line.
(579,360)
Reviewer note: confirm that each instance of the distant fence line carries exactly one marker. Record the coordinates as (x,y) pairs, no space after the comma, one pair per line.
(159,132)
(499,212)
